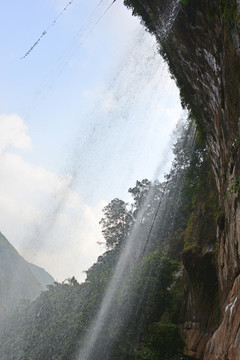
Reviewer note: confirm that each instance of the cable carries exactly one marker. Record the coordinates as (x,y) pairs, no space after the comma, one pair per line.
(55,21)
(96,23)
(155,216)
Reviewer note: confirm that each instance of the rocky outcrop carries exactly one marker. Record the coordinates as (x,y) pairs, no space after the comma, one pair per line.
(203,53)
(224,344)
(196,339)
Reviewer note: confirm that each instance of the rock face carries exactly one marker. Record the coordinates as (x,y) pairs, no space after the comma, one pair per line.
(225,342)
(206,64)
(208,67)
(203,53)
(196,339)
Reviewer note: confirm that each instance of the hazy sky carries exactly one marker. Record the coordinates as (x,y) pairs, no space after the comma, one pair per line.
(88,112)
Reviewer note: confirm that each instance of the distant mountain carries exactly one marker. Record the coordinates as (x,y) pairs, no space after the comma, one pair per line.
(41,275)
(19,280)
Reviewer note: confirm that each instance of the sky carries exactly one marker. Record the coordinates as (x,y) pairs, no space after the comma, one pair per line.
(86,113)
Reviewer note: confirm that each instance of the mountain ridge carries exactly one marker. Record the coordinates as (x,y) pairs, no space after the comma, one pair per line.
(19,280)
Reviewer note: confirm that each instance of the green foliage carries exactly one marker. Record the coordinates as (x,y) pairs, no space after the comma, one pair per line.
(145,354)
(232,185)
(139,193)
(56,323)
(150,281)
(163,341)
(173,310)
(229,13)
(116,222)
(200,234)
(202,207)
(131,4)
(143,297)
(138,9)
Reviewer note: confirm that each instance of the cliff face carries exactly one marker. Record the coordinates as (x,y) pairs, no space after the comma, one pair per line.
(203,53)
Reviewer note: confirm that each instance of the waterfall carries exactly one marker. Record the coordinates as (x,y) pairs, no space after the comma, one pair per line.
(110,314)
(168,18)
(134,249)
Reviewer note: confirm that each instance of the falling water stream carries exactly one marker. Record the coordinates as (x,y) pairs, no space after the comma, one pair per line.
(132,251)
(142,76)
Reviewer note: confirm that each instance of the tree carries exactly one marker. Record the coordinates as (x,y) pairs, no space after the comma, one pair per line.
(116,222)
(148,197)
(139,193)
(163,341)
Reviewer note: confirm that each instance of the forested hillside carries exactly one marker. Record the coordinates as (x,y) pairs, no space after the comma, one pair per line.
(151,297)
(18,283)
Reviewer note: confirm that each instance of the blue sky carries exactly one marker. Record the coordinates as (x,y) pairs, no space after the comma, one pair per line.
(82,117)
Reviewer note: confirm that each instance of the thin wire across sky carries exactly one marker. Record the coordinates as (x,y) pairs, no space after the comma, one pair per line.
(61,14)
